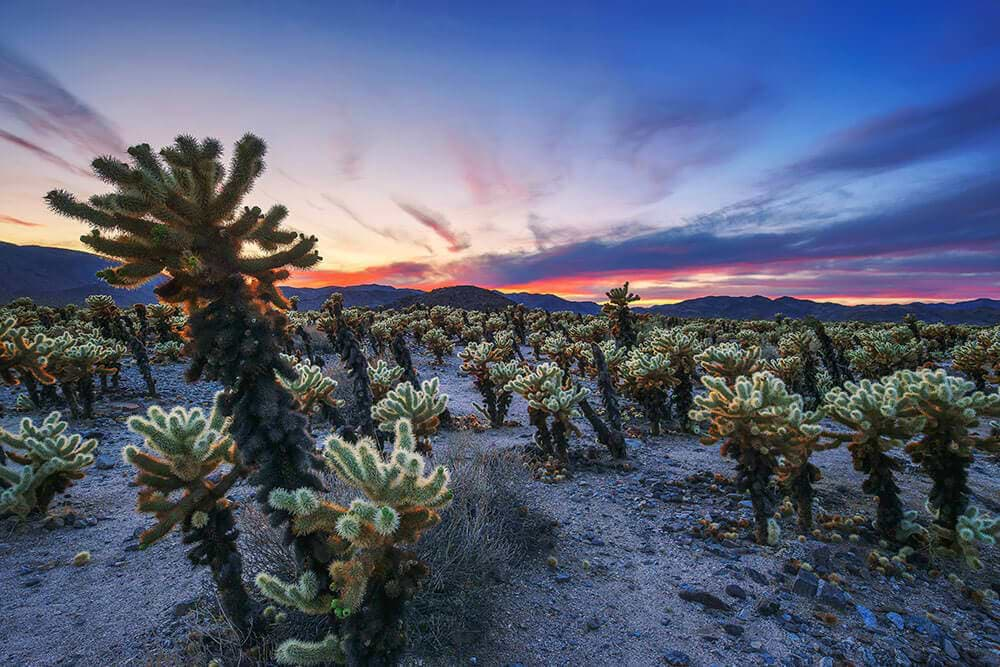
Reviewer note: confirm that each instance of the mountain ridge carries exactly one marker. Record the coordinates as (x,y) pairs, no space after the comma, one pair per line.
(55,276)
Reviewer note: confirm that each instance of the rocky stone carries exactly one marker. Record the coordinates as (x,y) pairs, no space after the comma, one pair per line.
(834,596)
(704,598)
(733,629)
(733,590)
(867,617)
(768,607)
(896,620)
(806,584)
(676,659)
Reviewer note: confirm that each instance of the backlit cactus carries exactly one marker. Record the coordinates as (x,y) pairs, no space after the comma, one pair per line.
(420,407)
(545,389)
(681,347)
(649,377)
(949,412)
(485,363)
(383,378)
(872,411)
(371,577)
(620,316)
(310,387)
(756,420)
(729,361)
(183,450)
(437,343)
(39,462)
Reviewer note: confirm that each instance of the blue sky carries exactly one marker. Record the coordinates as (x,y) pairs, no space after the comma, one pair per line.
(844,151)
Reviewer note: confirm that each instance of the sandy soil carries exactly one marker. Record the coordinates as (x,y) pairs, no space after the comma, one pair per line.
(624,549)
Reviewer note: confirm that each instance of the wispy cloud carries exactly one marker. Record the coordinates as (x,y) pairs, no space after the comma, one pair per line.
(11,220)
(42,153)
(35,98)
(906,136)
(438,224)
(383,231)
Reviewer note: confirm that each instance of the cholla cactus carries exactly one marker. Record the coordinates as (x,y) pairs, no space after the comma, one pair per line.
(310,387)
(182,449)
(872,412)
(976,527)
(536,339)
(168,352)
(622,319)
(421,407)
(975,358)
(804,344)
(43,460)
(371,577)
(949,413)
(880,354)
(383,378)
(729,361)
(20,355)
(545,388)
(589,331)
(649,377)
(480,360)
(756,420)
(437,343)
(681,348)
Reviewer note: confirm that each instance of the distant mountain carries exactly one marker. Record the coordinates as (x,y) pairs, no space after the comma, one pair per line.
(553,303)
(469,297)
(979,311)
(55,276)
(373,296)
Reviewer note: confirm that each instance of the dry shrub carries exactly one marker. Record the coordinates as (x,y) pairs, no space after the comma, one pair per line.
(483,538)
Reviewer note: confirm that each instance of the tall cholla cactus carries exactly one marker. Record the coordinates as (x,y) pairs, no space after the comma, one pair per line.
(178,213)
(949,413)
(183,448)
(804,344)
(43,461)
(681,347)
(729,361)
(872,411)
(544,387)
(421,407)
(481,361)
(371,577)
(756,420)
(383,378)
(622,319)
(649,377)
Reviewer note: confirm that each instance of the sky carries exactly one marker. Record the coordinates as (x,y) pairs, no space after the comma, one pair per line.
(838,151)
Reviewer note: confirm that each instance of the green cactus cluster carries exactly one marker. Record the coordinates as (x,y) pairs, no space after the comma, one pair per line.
(437,343)
(383,378)
(757,421)
(310,387)
(39,462)
(730,361)
(371,576)
(420,407)
(550,396)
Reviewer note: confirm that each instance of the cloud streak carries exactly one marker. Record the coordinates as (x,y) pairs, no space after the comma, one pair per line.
(11,220)
(906,136)
(39,101)
(438,224)
(43,154)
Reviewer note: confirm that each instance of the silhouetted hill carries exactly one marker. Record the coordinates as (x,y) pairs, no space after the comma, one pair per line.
(373,296)
(978,311)
(56,276)
(553,303)
(469,297)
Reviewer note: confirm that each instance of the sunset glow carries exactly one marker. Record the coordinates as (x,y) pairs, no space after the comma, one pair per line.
(837,153)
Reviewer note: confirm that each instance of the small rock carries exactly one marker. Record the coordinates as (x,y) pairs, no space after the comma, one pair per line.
(896,620)
(768,608)
(705,599)
(182,609)
(950,649)
(676,658)
(104,462)
(867,616)
(563,577)
(756,576)
(834,596)
(806,584)
(732,590)
(733,629)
